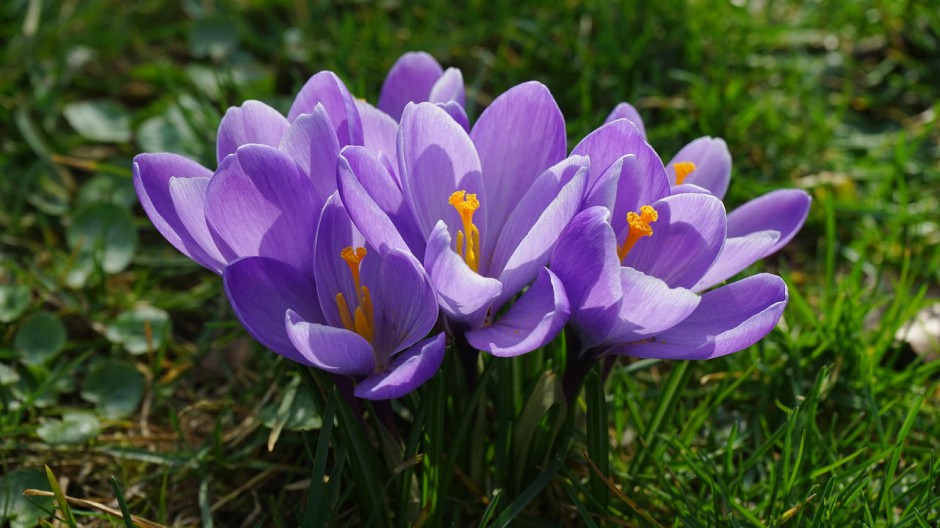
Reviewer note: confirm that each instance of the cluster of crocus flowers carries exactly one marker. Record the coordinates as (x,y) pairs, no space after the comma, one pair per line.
(359,240)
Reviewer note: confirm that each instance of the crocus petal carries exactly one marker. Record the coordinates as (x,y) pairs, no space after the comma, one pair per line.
(312,142)
(437,158)
(535,227)
(457,113)
(410,79)
(686,188)
(783,211)
(737,254)
(631,186)
(332,349)
(712,164)
(334,233)
(379,134)
(627,111)
(358,168)
(152,173)
(613,141)
(261,290)
(757,229)
(532,321)
(464,295)
(512,159)
(649,306)
(686,239)
(408,308)
(407,372)
(253,122)
(259,203)
(327,89)
(449,87)
(585,259)
(189,198)
(728,319)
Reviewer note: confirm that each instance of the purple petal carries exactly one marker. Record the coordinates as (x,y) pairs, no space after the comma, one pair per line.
(464,295)
(531,322)
(408,308)
(407,372)
(585,259)
(783,211)
(410,79)
(687,188)
(518,137)
(627,111)
(457,113)
(259,203)
(327,89)
(757,229)
(252,123)
(332,349)
(728,319)
(380,133)
(312,142)
(335,232)
(686,239)
(448,88)
(356,168)
(261,290)
(437,158)
(633,187)
(189,199)
(152,174)
(737,254)
(712,164)
(613,141)
(649,306)
(534,227)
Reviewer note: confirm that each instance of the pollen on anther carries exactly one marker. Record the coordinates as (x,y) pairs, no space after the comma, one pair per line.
(464,202)
(683,169)
(639,227)
(353,256)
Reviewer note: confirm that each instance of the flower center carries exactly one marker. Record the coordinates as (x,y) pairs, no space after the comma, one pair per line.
(468,240)
(639,228)
(683,169)
(361,319)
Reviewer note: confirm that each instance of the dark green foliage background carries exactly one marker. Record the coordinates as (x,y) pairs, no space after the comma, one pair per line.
(830,420)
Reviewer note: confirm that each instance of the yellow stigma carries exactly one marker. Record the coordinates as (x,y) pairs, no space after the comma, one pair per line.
(466,205)
(361,319)
(639,228)
(683,169)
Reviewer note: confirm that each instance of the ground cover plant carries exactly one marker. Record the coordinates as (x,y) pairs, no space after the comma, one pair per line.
(121,357)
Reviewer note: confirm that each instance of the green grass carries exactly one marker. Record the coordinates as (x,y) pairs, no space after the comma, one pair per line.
(120,357)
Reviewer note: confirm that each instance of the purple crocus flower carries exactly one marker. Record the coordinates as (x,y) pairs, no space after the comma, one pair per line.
(483,210)
(366,315)
(756,229)
(256,217)
(176,194)
(633,261)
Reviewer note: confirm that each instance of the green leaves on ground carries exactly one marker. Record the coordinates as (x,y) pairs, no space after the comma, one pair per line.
(101,236)
(115,387)
(72,428)
(20,511)
(140,330)
(40,338)
(105,121)
(14,298)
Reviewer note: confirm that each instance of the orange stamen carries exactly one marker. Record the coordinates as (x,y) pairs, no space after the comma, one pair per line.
(683,169)
(639,228)
(361,320)
(468,240)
